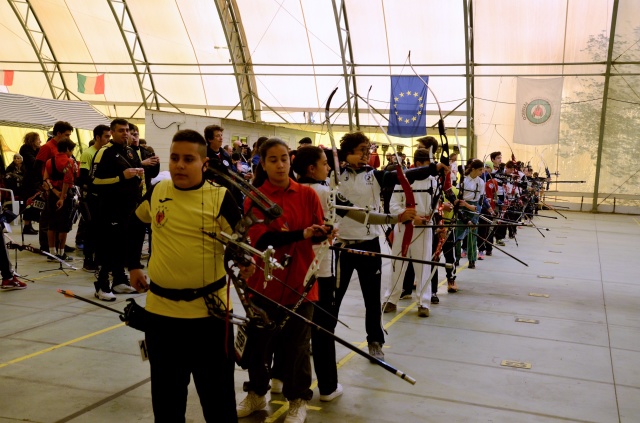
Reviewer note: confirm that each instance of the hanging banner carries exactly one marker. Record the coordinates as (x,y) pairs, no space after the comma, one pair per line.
(408,115)
(538,111)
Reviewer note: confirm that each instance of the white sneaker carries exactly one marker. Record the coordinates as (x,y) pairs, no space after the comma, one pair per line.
(276,386)
(335,394)
(251,403)
(124,288)
(105,296)
(297,411)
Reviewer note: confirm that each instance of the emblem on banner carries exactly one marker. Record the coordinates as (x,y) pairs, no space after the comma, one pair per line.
(537,111)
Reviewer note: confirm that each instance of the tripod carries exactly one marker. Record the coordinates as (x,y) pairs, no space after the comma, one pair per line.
(60,261)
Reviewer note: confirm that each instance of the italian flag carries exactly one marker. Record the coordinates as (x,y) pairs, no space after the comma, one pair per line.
(91,84)
(6,78)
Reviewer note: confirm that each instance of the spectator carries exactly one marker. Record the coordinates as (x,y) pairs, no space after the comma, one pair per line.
(255,154)
(60,173)
(61,130)
(118,178)
(31,184)
(101,137)
(150,162)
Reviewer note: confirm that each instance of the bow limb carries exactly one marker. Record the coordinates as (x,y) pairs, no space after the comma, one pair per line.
(456,136)
(334,149)
(546,171)
(513,156)
(410,201)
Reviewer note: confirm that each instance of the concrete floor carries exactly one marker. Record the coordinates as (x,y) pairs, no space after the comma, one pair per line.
(62,360)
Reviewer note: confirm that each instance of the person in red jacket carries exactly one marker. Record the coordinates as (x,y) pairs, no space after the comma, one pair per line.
(61,130)
(60,173)
(374,159)
(292,234)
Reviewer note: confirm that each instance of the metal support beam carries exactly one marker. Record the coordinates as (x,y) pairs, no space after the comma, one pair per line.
(41,46)
(470,76)
(605,96)
(138,57)
(348,67)
(240,58)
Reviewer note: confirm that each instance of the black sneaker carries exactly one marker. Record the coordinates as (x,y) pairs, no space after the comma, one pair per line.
(64,257)
(435,299)
(28,230)
(68,249)
(90,266)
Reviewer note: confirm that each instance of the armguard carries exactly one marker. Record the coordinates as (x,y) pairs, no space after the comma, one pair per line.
(374,218)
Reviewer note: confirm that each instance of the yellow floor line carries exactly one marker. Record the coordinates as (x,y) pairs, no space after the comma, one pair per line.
(285,405)
(55,347)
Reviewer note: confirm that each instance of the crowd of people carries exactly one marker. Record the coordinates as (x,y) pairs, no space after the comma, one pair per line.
(186,282)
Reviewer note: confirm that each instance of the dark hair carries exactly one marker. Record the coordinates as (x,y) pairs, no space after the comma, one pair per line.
(421,155)
(429,141)
(305,140)
(350,141)
(194,137)
(510,165)
(142,142)
(494,155)
(189,135)
(235,156)
(92,142)
(257,145)
(60,127)
(118,121)
(476,164)
(99,130)
(133,127)
(30,139)
(306,157)
(260,173)
(66,145)
(210,130)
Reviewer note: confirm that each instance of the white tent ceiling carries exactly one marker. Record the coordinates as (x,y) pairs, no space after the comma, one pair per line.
(278,60)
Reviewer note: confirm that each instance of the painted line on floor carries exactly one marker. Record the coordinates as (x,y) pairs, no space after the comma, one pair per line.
(637,221)
(55,347)
(285,405)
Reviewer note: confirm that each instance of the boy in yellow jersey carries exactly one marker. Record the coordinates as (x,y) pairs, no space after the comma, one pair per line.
(186,265)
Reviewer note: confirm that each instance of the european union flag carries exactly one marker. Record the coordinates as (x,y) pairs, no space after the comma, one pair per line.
(408,111)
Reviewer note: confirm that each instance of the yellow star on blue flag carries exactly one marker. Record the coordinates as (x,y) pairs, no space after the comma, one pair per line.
(408,103)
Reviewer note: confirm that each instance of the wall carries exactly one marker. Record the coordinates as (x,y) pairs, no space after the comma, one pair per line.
(161,126)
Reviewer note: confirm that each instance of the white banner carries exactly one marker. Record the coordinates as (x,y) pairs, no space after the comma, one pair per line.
(538,111)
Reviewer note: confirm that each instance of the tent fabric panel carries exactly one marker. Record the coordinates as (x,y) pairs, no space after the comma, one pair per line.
(534,32)
(432,30)
(162,32)
(62,32)
(205,32)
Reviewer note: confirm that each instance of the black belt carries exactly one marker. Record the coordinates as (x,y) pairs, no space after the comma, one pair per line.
(187,294)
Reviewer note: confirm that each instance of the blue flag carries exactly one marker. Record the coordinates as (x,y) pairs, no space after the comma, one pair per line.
(408,111)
